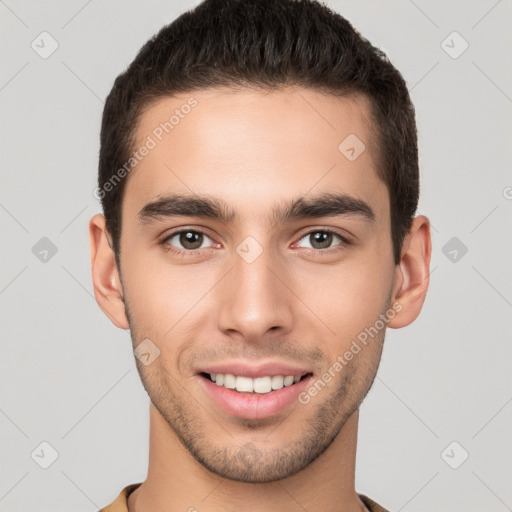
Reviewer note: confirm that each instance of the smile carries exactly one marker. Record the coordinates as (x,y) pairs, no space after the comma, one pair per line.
(253,391)
(260,385)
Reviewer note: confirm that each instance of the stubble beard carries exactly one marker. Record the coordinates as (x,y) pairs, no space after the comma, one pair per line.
(248,461)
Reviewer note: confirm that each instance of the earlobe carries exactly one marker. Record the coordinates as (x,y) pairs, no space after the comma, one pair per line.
(412,273)
(105,277)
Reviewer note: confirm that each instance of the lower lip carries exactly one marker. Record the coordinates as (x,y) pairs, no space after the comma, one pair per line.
(253,406)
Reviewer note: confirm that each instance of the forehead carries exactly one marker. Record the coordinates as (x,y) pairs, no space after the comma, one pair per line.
(254,148)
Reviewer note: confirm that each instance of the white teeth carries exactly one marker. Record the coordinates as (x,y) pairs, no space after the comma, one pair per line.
(229,381)
(288,380)
(260,385)
(263,384)
(244,384)
(277,381)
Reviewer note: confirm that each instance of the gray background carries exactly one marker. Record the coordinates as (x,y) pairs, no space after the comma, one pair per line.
(68,376)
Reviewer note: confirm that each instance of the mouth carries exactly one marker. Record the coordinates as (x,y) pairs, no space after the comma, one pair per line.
(248,392)
(255,386)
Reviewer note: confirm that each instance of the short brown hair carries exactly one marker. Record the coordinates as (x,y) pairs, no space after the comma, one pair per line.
(266,44)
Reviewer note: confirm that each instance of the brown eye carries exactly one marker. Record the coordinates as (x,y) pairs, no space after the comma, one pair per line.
(191,239)
(321,239)
(186,240)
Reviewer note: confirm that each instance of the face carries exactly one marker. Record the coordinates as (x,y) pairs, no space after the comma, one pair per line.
(272,257)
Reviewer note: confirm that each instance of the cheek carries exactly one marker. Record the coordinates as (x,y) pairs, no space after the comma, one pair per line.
(162,296)
(347,297)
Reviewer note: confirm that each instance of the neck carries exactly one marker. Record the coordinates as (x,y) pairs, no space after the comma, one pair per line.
(177,482)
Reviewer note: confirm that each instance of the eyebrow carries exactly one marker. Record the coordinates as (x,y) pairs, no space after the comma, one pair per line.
(322,205)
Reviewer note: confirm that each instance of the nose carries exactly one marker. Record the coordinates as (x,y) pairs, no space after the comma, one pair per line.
(255,298)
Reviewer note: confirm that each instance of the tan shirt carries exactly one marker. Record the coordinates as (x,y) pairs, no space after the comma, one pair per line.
(121,502)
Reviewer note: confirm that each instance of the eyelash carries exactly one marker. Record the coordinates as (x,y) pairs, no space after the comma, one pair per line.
(193,252)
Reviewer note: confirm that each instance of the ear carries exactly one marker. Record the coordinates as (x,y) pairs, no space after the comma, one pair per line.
(411,279)
(105,277)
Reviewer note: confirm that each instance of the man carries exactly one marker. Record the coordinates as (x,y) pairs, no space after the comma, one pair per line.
(259,180)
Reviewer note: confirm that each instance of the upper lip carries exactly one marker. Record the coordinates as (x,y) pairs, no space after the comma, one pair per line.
(254,370)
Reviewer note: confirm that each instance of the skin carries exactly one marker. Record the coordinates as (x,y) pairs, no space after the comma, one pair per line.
(298,302)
